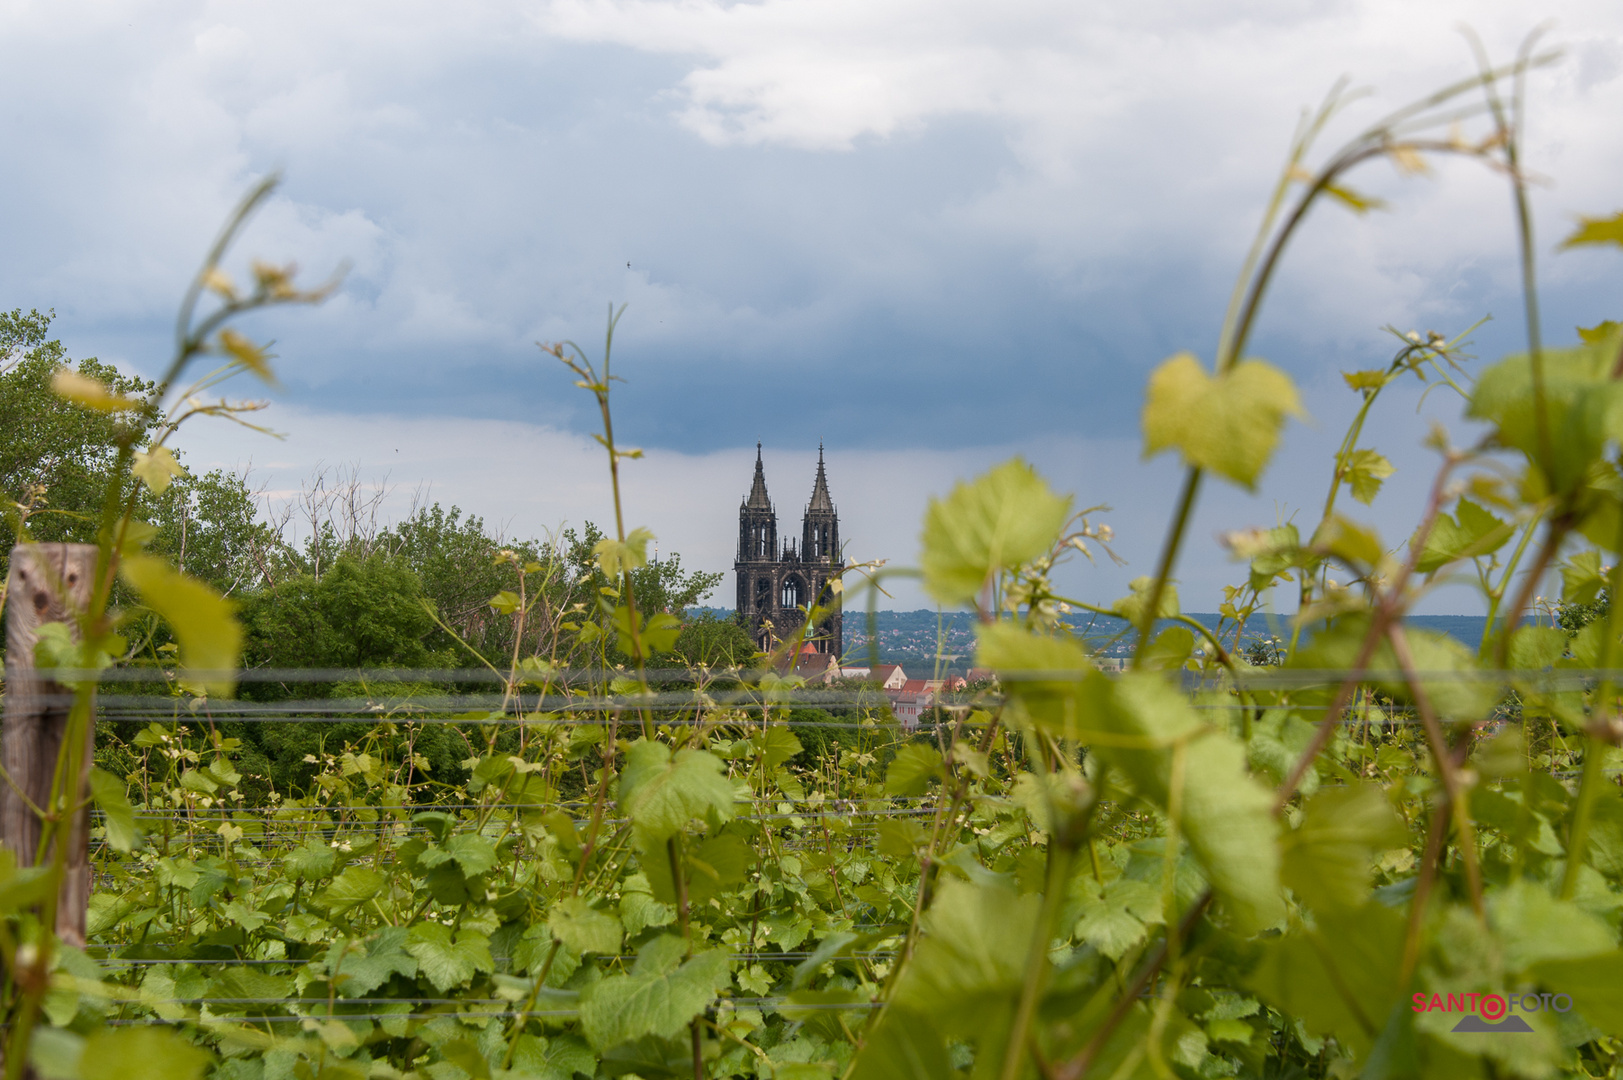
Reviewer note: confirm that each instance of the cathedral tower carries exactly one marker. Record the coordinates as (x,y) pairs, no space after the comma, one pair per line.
(776,583)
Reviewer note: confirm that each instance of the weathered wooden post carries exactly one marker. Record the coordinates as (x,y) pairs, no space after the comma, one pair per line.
(47,583)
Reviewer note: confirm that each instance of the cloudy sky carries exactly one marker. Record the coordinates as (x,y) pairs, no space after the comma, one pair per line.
(931,235)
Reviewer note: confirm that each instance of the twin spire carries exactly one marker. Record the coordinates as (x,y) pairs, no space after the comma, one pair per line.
(820,500)
(758,499)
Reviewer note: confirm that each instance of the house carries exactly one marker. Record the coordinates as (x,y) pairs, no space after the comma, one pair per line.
(889,676)
(909,701)
(811,664)
(915,696)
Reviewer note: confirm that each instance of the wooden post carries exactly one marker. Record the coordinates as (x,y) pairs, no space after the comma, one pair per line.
(47,583)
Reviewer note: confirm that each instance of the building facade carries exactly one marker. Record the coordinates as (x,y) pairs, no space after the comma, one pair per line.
(779,581)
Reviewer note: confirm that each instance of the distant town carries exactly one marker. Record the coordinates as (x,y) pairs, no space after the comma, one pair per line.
(928,643)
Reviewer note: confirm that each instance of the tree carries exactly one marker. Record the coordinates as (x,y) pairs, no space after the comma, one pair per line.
(714,641)
(361,613)
(659,586)
(209,525)
(56,458)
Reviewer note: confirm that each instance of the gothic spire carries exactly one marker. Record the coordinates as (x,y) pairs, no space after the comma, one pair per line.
(820,499)
(758,499)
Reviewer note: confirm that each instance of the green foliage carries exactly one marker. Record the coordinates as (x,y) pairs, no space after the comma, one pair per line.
(662,793)
(1326,860)
(1582,415)
(1228,423)
(208,526)
(1005,519)
(55,457)
(584,929)
(359,613)
(203,621)
(658,997)
(1470,533)
(713,641)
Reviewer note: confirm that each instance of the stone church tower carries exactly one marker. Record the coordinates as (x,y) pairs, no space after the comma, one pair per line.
(776,582)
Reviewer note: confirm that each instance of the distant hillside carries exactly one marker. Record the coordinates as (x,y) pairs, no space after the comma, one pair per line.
(916,638)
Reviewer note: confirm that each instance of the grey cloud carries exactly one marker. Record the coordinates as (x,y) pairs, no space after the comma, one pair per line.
(1018,209)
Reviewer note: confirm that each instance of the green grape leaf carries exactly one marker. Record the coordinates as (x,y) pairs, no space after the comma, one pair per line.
(819,1010)
(837,944)
(717,864)
(472,852)
(311,862)
(1596,231)
(1581,578)
(1534,926)
(898,839)
(245,982)
(118,816)
(358,972)
(973,955)
(205,623)
(1584,409)
(156,468)
(1535,648)
(354,887)
(446,962)
(54,1053)
(776,745)
(638,908)
(1225,814)
(1117,915)
(659,997)
(915,765)
(613,557)
(505,602)
(1365,472)
(141,1053)
(788,783)
(1372,379)
(657,634)
(1442,664)
(1135,604)
(1328,858)
(1229,424)
(905,1046)
(1594,335)
(198,781)
(1170,650)
(1352,543)
(713,866)
(1338,978)
(1043,673)
(558,1057)
(1605,850)
(1595,984)
(464,1054)
(999,521)
(662,794)
(661,632)
(1133,722)
(1273,552)
(1472,532)
(576,923)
